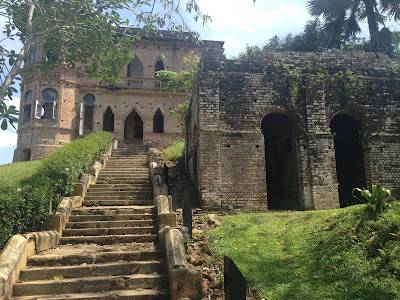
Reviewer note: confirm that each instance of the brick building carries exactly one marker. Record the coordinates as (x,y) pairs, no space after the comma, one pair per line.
(59,107)
(294,130)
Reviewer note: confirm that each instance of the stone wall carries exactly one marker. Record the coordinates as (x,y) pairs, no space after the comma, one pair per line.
(313,91)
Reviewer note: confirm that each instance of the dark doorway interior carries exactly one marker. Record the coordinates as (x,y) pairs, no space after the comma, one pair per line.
(281,162)
(349,157)
(133,127)
(158,122)
(108,120)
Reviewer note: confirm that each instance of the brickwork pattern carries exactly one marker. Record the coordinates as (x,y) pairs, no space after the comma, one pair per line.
(226,143)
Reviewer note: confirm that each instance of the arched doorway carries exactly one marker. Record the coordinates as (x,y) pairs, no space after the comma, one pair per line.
(133,129)
(281,162)
(349,157)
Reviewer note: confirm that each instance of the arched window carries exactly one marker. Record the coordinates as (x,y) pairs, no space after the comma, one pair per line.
(46,108)
(89,111)
(135,68)
(27,106)
(86,115)
(158,67)
(108,120)
(158,122)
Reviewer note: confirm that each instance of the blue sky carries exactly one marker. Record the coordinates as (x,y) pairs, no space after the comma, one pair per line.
(238,24)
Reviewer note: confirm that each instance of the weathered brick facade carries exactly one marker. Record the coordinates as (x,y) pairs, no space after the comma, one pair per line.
(138,91)
(316,118)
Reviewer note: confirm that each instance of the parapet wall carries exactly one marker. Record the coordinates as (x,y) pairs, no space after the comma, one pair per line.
(314,92)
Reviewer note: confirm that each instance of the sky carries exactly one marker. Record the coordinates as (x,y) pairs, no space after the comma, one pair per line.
(238,24)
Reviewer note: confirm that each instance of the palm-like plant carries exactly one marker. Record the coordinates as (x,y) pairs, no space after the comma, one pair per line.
(342,17)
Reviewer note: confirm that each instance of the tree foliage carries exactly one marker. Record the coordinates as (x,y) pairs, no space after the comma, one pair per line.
(91,37)
(342,18)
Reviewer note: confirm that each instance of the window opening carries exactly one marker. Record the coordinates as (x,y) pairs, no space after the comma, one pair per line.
(46,108)
(158,67)
(88,113)
(108,120)
(27,106)
(158,122)
(135,68)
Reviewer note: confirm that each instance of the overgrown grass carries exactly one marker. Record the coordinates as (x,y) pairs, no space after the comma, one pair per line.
(175,150)
(338,254)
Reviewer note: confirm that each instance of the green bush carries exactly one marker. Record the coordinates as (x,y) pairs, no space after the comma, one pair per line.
(175,150)
(28,189)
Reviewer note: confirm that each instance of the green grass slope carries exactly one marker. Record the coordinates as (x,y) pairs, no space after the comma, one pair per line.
(339,254)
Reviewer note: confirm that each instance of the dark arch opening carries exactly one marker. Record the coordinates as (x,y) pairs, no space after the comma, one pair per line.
(108,120)
(281,162)
(135,68)
(158,122)
(133,127)
(159,67)
(349,157)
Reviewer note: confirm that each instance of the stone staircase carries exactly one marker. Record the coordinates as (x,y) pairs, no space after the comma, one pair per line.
(108,248)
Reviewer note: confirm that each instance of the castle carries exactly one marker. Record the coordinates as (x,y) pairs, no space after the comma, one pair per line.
(59,106)
(282,131)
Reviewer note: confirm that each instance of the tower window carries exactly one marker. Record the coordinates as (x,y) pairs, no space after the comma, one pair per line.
(27,106)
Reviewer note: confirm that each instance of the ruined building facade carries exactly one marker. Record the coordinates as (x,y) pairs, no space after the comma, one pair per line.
(59,106)
(294,130)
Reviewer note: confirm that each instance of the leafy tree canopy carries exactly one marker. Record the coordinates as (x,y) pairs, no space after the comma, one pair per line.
(342,18)
(91,32)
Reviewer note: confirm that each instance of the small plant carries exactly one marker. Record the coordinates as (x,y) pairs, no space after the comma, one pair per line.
(379,199)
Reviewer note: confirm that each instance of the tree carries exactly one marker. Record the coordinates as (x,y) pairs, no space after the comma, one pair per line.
(343,17)
(91,32)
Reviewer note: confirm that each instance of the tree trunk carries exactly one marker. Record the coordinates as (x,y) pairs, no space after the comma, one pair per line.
(8,80)
(372,24)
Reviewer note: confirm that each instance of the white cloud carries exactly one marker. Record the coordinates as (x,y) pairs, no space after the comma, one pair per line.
(8,138)
(244,22)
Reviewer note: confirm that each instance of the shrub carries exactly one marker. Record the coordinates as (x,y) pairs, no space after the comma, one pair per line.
(28,189)
(175,150)
(378,199)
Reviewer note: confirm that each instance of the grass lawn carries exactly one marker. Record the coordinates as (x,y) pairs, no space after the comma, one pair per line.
(337,254)
(15,172)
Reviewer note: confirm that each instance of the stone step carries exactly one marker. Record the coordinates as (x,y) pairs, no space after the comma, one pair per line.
(114,217)
(124,175)
(94,258)
(123,180)
(122,187)
(85,270)
(90,285)
(118,193)
(138,294)
(114,202)
(100,210)
(79,232)
(109,239)
(120,196)
(109,224)
(125,171)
